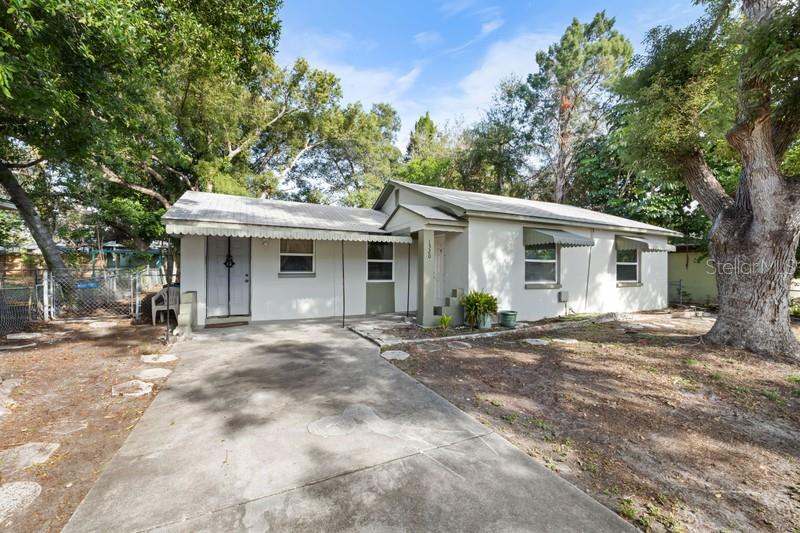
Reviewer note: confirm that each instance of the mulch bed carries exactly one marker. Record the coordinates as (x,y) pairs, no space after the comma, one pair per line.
(66,384)
(671,433)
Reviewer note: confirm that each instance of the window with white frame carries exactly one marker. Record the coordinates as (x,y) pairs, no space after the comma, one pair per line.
(628,265)
(296,256)
(541,263)
(380,261)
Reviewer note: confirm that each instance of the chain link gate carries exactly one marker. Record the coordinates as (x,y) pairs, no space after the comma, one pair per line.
(21,305)
(106,293)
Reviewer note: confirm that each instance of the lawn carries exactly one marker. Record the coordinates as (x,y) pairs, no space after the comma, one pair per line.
(669,432)
(62,406)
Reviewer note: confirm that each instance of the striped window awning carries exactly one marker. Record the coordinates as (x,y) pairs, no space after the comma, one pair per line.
(539,237)
(643,244)
(273,232)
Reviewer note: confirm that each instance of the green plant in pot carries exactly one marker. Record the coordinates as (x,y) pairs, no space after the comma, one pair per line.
(479,308)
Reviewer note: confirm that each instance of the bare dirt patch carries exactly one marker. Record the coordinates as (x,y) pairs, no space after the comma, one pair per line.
(671,433)
(64,397)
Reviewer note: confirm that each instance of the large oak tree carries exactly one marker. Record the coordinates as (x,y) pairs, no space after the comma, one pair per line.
(729,83)
(80,82)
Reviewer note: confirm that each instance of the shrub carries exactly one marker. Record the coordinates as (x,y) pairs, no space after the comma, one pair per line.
(444,321)
(476,304)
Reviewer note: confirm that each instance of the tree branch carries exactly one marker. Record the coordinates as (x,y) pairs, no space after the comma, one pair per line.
(28,164)
(181,176)
(784,132)
(114,178)
(705,188)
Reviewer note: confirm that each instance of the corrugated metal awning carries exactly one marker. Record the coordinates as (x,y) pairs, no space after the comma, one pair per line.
(271,232)
(539,236)
(642,243)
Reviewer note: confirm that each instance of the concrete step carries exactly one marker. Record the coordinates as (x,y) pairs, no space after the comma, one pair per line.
(456,314)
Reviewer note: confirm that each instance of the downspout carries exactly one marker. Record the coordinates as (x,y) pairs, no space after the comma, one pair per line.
(588,274)
(408,283)
(343,291)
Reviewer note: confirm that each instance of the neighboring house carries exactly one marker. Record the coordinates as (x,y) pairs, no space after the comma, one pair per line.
(250,259)
(691,276)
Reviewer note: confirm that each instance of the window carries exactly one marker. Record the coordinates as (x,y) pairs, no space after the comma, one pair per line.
(296,256)
(380,261)
(628,265)
(541,263)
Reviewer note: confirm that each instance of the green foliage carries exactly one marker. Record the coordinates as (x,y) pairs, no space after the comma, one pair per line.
(682,96)
(91,85)
(498,148)
(477,304)
(145,222)
(570,93)
(12,230)
(422,138)
(604,183)
(444,321)
(427,171)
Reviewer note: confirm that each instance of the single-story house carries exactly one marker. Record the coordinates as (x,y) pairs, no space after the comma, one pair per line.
(415,251)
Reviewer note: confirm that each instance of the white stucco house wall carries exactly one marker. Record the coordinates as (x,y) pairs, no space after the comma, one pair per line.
(245,259)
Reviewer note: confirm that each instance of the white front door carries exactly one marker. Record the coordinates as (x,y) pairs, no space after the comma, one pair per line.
(438,270)
(239,287)
(216,276)
(227,276)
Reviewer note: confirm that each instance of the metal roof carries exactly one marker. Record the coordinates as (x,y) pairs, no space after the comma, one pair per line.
(226,209)
(490,204)
(426,211)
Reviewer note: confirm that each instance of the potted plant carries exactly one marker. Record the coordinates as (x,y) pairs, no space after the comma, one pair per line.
(479,308)
(507,319)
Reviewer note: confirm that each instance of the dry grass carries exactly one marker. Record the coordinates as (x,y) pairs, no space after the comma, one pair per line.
(671,433)
(66,382)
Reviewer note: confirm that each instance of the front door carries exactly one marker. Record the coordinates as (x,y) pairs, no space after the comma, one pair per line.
(227,276)
(438,270)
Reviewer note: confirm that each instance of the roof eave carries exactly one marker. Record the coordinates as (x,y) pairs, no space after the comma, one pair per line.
(561,222)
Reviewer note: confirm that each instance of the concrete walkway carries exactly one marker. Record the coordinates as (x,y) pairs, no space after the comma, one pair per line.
(303,427)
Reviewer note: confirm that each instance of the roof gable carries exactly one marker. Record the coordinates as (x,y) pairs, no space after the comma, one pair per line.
(475,203)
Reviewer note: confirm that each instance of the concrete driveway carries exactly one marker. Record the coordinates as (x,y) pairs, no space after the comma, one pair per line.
(304,427)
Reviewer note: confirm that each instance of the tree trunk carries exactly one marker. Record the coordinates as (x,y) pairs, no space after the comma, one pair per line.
(754,236)
(754,274)
(27,211)
(562,169)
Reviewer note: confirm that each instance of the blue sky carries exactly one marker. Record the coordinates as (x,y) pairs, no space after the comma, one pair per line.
(445,56)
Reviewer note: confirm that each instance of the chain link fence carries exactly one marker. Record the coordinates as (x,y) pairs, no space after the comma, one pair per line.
(20,305)
(78,293)
(110,293)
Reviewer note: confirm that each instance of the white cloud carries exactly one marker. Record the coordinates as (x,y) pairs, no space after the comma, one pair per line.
(454,7)
(491,27)
(487,28)
(464,100)
(425,39)
(369,85)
